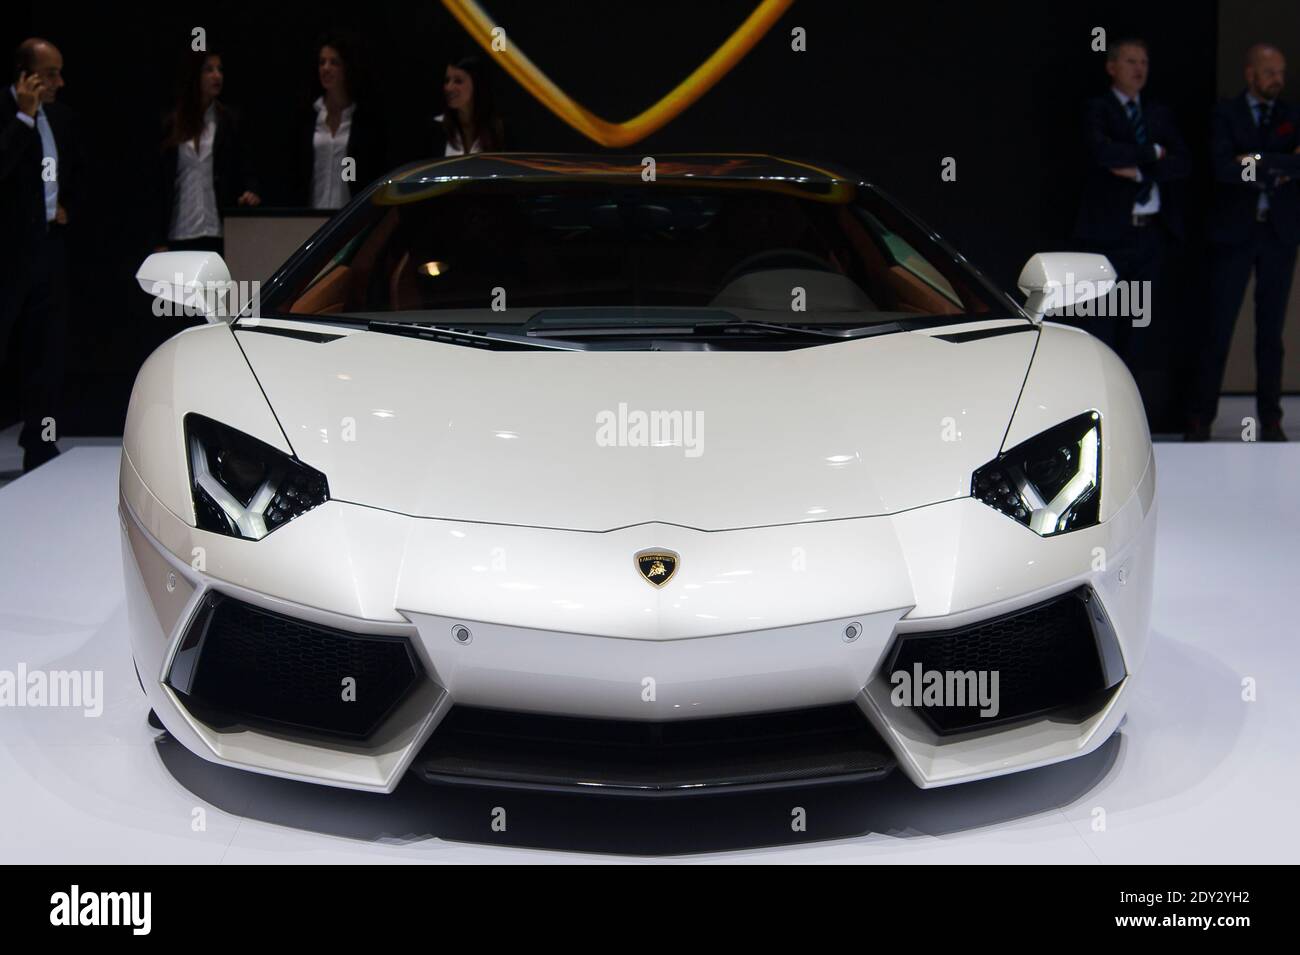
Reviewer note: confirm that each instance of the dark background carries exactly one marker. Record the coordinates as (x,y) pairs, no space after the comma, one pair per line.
(888,89)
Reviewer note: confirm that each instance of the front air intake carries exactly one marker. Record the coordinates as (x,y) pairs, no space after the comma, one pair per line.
(1059,656)
(241,664)
(638,758)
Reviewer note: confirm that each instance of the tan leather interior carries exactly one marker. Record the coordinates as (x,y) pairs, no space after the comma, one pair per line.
(914,295)
(347,286)
(343,287)
(404,286)
(327,296)
(906,292)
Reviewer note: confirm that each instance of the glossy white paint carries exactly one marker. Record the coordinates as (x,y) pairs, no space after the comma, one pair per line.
(823,433)
(1073,372)
(200,370)
(377,766)
(1193,775)
(475,493)
(575,674)
(569,672)
(1061,279)
(952,563)
(197,279)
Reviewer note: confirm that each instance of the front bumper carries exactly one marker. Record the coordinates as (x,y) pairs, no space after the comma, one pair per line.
(560,624)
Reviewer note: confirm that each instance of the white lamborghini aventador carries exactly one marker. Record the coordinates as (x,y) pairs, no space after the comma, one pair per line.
(528,471)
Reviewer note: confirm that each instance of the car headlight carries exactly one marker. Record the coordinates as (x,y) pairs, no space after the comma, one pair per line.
(1050,483)
(243,487)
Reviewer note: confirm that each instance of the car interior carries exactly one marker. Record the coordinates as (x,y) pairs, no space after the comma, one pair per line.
(604,247)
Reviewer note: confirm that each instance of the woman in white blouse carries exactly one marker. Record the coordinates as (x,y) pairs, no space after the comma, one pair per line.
(470,123)
(203,167)
(346,146)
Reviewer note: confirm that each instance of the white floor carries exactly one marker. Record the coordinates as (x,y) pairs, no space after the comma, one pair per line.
(1196,775)
(11,454)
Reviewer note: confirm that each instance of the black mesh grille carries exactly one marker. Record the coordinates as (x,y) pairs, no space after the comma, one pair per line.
(1048,657)
(252,665)
(625,757)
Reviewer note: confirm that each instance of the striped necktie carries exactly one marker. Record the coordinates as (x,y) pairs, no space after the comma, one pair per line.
(1140,134)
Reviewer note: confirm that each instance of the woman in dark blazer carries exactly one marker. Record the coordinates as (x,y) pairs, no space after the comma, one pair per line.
(202,167)
(340,145)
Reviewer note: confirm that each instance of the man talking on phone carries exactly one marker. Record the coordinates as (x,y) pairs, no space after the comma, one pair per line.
(36,167)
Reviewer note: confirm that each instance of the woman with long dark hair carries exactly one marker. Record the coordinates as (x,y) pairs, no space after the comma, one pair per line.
(341,143)
(470,123)
(202,169)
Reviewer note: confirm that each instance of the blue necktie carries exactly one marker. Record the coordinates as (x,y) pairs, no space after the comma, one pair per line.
(1140,134)
(1265,116)
(49,150)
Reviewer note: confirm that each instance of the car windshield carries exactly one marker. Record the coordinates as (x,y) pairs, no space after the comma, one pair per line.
(613,251)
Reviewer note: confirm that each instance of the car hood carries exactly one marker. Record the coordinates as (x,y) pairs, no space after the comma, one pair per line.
(555,439)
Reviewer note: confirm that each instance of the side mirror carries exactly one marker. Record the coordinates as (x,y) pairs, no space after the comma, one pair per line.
(1052,280)
(188,283)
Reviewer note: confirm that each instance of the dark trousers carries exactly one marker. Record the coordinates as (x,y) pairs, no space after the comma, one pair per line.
(1140,254)
(211,243)
(1273,262)
(34,324)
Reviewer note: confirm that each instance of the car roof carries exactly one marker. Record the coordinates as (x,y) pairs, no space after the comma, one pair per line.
(578,166)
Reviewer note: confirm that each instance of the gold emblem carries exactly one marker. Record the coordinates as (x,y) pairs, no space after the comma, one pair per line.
(657,566)
(481,27)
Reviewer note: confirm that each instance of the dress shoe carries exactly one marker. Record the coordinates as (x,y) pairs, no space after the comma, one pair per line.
(1272,432)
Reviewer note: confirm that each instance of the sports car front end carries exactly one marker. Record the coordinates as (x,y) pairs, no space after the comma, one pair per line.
(632,549)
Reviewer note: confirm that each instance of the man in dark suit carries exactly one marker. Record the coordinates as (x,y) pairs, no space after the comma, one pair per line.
(1255,226)
(38,172)
(1131,210)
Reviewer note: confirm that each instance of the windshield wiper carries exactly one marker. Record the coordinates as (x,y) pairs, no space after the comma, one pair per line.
(805,330)
(495,341)
(706,327)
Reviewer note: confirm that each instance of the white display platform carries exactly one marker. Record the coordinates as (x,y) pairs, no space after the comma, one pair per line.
(1196,775)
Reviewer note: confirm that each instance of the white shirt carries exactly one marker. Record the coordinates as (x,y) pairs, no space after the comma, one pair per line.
(454,147)
(328,190)
(194,210)
(49,152)
(1152,205)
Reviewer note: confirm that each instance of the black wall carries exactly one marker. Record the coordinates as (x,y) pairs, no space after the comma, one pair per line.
(888,89)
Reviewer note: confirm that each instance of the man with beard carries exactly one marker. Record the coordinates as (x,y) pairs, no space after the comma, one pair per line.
(1255,227)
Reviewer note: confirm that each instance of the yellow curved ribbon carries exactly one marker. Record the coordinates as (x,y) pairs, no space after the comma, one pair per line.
(480,26)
